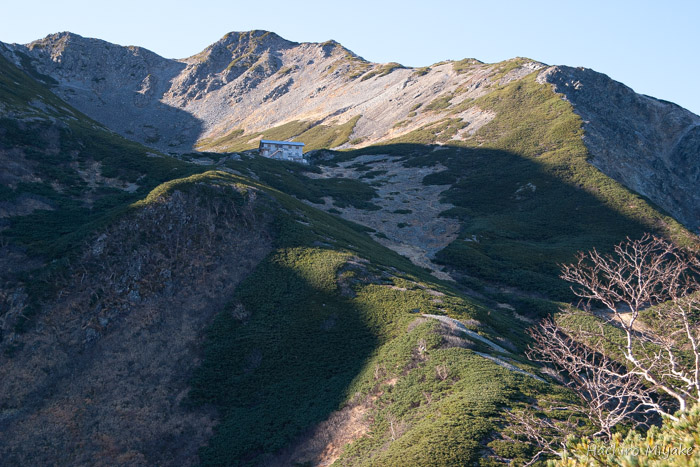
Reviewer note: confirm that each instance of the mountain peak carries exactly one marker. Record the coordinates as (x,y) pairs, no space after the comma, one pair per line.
(256,38)
(63,37)
(255,34)
(237,43)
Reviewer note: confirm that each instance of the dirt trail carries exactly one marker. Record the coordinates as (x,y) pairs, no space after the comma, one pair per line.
(624,318)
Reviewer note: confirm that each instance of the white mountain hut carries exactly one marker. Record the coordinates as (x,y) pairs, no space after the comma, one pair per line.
(283,150)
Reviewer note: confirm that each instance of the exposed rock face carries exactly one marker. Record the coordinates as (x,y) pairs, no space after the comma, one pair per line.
(118,86)
(650,146)
(101,377)
(253,81)
(417,233)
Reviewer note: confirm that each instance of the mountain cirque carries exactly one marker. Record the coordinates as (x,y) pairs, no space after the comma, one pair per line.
(155,312)
(249,82)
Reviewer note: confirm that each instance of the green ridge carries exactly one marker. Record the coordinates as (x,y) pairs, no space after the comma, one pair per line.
(315,328)
(523,187)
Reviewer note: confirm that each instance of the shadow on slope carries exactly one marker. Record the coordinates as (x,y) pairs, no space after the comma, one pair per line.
(524,189)
(318,327)
(521,216)
(74,171)
(281,356)
(121,87)
(102,374)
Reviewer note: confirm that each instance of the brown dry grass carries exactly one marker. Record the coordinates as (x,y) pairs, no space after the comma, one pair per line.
(323,444)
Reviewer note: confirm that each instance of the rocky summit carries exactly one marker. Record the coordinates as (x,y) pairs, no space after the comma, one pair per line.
(250,82)
(168,296)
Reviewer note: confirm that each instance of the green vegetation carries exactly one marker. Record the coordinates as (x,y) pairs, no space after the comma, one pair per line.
(247,50)
(412,112)
(244,61)
(330,319)
(509,65)
(421,71)
(18,90)
(382,70)
(463,66)
(229,141)
(328,136)
(290,178)
(463,105)
(440,131)
(315,136)
(59,156)
(427,420)
(675,443)
(537,137)
(440,103)
(515,185)
(53,233)
(286,70)
(357,67)
(446,177)
(373,173)
(314,329)
(64,150)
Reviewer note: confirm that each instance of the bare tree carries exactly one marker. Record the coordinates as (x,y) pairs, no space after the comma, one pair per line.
(624,368)
(611,393)
(649,272)
(547,434)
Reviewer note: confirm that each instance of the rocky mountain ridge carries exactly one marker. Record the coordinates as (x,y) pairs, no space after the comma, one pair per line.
(251,81)
(225,97)
(156,312)
(650,146)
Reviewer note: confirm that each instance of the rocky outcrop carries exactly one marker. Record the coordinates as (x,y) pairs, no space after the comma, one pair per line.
(249,82)
(649,145)
(101,378)
(118,86)
(254,81)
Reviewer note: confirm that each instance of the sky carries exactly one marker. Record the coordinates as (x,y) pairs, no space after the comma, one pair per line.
(651,46)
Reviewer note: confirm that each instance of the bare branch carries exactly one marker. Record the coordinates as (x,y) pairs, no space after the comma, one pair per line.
(663,358)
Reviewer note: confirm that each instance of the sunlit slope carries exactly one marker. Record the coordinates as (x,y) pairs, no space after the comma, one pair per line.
(330,323)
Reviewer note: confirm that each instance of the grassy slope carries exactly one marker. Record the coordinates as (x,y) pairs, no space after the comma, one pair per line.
(522,233)
(531,197)
(57,141)
(54,143)
(291,178)
(292,346)
(522,187)
(317,348)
